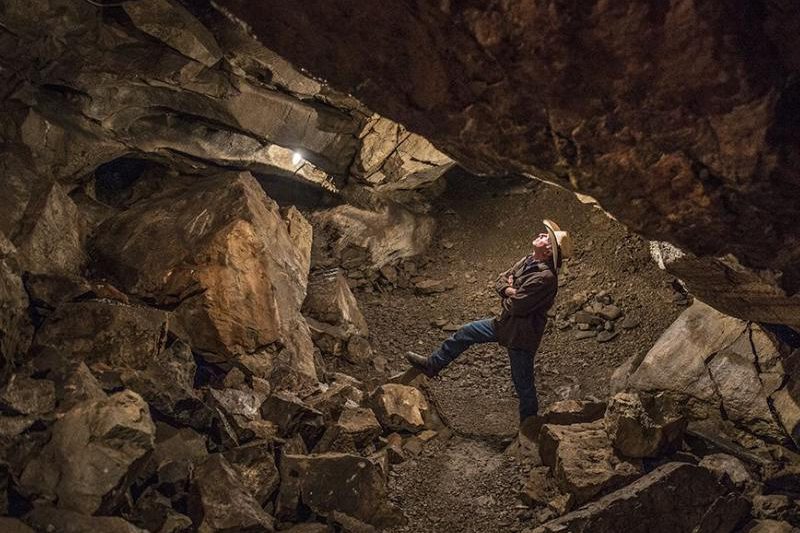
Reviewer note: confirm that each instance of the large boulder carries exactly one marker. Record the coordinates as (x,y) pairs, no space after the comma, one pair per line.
(335,483)
(583,461)
(220,502)
(676,497)
(218,249)
(91,451)
(642,429)
(707,363)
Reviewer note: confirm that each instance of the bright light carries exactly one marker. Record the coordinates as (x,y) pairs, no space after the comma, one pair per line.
(297,158)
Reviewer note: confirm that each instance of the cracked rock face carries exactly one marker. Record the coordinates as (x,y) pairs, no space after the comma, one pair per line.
(677,117)
(716,366)
(204,252)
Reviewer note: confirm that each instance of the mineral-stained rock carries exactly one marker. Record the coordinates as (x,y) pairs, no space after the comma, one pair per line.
(301,233)
(356,428)
(220,502)
(170,22)
(673,497)
(723,465)
(399,407)
(640,428)
(241,410)
(255,464)
(583,461)
(204,250)
(91,450)
(66,521)
(392,157)
(335,482)
(331,399)
(27,396)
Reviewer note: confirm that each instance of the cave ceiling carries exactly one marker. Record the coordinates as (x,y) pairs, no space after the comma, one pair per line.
(679,117)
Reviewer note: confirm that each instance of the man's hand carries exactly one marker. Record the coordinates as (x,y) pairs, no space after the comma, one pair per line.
(510,291)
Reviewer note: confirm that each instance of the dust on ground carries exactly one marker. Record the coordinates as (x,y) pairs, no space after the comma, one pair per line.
(484,226)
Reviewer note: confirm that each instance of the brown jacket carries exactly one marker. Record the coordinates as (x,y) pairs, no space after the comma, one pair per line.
(524,315)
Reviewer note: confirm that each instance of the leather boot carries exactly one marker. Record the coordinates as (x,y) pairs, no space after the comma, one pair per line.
(421,363)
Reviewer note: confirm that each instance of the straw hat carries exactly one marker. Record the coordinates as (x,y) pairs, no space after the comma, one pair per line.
(562,239)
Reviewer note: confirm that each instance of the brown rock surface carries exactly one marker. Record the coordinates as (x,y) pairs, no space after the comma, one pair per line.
(335,483)
(640,428)
(16,329)
(204,251)
(583,461)
(707,361)
(124,345)
(220,502)
(674,497)
(62,520)
(91,450)
(399,407)
(355,429)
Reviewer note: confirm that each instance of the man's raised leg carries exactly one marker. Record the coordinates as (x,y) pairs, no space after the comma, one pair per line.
(477,332)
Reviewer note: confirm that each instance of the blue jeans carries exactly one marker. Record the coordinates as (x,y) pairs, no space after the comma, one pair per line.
(482,331)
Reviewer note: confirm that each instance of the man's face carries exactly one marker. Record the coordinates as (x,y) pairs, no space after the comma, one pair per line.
(541,245)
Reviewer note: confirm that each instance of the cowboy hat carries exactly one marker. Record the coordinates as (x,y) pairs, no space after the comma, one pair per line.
(562,240)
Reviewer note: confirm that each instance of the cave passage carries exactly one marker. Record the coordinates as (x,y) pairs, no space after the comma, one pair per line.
(224,224)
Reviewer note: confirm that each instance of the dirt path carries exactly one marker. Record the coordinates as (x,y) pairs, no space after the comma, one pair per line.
(484,226)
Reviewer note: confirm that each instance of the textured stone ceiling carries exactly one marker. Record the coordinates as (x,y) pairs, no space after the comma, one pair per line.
(679,117)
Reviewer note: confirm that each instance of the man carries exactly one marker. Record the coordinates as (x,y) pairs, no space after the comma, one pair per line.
(528,290)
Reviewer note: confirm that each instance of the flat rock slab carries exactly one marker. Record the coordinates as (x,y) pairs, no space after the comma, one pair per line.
(673,498)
